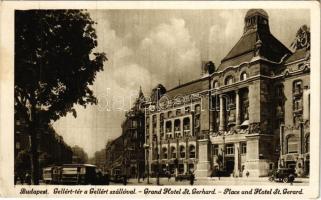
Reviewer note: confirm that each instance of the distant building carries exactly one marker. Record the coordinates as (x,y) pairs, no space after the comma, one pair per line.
(125,155)
(250,114)
(100,159)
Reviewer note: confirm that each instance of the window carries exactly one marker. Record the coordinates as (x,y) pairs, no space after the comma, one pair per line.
(182,151)
(134,124)
(243,148)
(177,125)
(279,91)
(297,104)
(169,114)
(192,151)
(297,86)
(168,126)
(154,119)
(164,152)
(243,76)
(173,152)
(292,144)
(215,84)
(17,145)
(187,109)
(178,111)
(161,117)
(197,109)
(229,80)
(197,122)
(215,149)
(186,124)
(229,149)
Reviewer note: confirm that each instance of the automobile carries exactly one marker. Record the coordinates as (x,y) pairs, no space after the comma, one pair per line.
(283,174)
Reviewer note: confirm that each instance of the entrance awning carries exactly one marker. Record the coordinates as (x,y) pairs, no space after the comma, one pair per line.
(245,123)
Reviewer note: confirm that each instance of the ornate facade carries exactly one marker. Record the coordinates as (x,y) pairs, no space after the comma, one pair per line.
(249,114)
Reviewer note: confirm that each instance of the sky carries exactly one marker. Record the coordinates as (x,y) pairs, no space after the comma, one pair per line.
(147,47)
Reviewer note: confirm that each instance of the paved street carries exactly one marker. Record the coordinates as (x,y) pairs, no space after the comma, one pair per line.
(215,181)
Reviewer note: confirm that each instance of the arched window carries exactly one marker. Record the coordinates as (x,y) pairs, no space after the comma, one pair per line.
(192,151)
(292,144)
(186,124)
(215,84)
(177,125)
(229,80)
(164,152)
(182,151)
(297,86)
(173,152)
(243,76)
(168,126)
(197,109)
(307,144)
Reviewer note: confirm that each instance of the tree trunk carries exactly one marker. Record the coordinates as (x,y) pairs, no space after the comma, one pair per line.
(34,154)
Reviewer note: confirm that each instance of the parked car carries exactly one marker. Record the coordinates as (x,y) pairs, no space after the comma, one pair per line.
(283,174)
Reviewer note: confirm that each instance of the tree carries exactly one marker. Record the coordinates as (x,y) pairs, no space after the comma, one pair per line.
(54,67)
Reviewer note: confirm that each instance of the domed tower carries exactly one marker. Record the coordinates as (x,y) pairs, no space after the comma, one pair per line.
(256,41)
(256,20)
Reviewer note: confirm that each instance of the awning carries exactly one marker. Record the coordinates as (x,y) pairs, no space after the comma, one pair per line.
(245,123)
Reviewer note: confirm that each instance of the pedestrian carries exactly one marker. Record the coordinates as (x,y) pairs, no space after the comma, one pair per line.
(168,175)
(247,174)
(125,180)
(291,179)
(143,176)
(192,178)
(106,179)
(138,177)
(219,174)
(28,178)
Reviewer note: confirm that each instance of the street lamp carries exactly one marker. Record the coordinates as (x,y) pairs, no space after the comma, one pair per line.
(146,147)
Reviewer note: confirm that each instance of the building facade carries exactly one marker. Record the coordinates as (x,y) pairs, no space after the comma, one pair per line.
(125,155)
(248,115)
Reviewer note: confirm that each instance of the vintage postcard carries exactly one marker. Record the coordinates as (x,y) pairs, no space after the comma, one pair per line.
(160,99)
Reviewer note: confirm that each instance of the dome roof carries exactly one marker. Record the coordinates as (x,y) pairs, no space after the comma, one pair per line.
(253,12)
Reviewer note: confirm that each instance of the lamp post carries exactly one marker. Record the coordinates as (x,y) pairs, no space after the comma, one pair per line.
(157,162)
(146,147)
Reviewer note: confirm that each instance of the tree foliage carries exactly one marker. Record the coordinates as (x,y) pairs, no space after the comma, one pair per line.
(55,67)
(54,62)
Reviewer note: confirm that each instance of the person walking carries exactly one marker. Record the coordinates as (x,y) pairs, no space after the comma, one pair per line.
(168,176)
(192,178)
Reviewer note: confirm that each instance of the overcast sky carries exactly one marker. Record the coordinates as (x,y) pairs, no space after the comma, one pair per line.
(146,47)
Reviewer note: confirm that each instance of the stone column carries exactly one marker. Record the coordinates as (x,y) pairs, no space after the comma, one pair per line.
(236,159)
(182,128)
(222,112)
(237,102)
(173,128)
(306,104)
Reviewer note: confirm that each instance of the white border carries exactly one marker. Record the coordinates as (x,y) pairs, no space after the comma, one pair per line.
(6,84)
